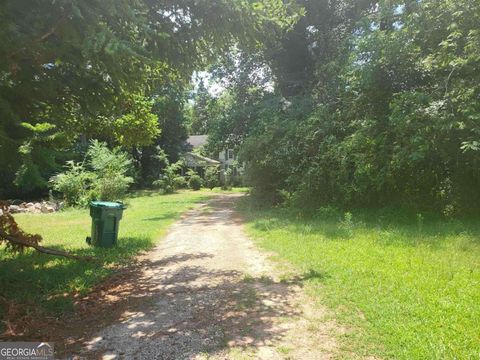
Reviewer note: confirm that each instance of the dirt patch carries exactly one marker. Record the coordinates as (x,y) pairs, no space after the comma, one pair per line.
(205,292)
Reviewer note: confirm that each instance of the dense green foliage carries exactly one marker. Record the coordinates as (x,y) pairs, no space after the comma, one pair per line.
(345,104)
(150,160)
(212,177)
(112,70)
(226,180)
(170,180)
(195,182)
(201,111)
(103,175)
(73,184)
(110,169)
(381,108)
(405,286)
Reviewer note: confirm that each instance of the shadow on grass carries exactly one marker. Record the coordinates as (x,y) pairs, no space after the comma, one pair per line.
(155,192)
(167,216)
(314,275)
(144,193)
(172,307)
(33,279)
(386,226)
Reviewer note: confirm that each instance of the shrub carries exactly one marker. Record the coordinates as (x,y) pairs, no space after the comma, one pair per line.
(110,187)
(211,177)
(180,182)
(169,180)
(347,225)
(102,176)
(285,197)
(195,182)
(110,168)
(227,179)
(74,184)
(328,213)
(238,181)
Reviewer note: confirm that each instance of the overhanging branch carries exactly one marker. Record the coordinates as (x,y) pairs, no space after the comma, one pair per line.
(42,249)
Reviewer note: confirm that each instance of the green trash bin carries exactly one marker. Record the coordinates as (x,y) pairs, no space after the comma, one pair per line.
(105,220)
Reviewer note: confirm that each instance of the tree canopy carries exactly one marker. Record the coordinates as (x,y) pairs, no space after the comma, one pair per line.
(375,103)
(365,103)
(75,70)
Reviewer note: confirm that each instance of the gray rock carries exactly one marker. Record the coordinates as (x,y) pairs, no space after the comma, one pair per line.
(47,209)
(14,209)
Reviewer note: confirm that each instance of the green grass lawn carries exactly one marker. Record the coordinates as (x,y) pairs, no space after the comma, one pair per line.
(407,288)
(34,278)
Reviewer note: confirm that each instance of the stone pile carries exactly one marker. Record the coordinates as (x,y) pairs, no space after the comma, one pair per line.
(43,207)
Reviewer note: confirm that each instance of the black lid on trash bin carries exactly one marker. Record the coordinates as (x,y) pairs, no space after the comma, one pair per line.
(108,204)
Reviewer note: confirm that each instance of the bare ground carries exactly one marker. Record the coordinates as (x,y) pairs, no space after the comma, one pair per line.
(205,292)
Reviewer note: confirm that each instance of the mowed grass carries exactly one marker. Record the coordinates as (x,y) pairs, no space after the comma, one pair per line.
(47,281)
(406,287)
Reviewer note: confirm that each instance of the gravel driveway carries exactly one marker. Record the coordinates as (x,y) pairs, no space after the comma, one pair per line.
(206,292)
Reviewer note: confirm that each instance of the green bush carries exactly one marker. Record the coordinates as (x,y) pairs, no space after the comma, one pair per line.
(285,197)
(237,181)
(328,212)
(211,177)
(110,187)
(110,168)
(169,180)
(180,182)
(74,184)
(195,182)
(102,176)
(227,179)
(347,225)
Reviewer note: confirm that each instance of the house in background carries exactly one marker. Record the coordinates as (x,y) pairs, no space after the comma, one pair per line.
(199,163)
(226,158)
(193,160)
(196,141)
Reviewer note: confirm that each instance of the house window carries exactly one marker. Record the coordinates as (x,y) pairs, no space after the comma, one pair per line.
(230,154)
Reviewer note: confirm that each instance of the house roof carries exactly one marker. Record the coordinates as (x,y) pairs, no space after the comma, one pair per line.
(197,140)
(192,160)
